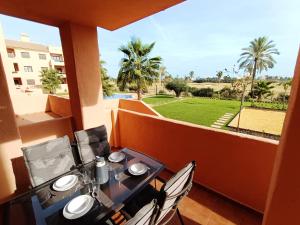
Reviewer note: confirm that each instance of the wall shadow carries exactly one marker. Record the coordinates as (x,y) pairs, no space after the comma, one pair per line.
(201,197)
(21,175)
(49,129)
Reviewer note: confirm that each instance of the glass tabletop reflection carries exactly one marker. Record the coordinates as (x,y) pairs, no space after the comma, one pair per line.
(44,205)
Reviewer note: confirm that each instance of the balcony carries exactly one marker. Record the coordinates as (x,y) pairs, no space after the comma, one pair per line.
(238,167)
(239,178)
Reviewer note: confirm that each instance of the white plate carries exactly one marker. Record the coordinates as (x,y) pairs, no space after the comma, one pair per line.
(65,183)
(78,207)
(116,156)
(138,169)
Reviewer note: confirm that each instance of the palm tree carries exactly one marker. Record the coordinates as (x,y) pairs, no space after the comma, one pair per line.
(219,76)
(286,86)
(107,85)
(262,89)
(258,57)
(137,67)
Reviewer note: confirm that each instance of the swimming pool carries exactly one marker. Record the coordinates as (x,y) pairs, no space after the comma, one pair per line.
(116,96)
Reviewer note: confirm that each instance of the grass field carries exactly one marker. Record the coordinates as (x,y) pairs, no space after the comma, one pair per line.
(194,110)
(202,111)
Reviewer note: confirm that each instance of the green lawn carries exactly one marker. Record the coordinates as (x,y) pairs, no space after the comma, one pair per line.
(203,111)
(159,100)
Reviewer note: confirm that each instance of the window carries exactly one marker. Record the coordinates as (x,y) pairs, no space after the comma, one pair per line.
(16,67)
(28,69)
(44,68)
(57,58)
(42,56)
(11,53)
(30,82)
(25,54)
(64,80)
(17,81)
(59,69)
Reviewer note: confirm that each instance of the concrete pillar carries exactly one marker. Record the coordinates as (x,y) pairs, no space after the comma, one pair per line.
(283,203)
(81,55)
(10,142)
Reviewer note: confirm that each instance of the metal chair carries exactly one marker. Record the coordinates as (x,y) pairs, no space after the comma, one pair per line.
(172,192)
(48,160)
(145,216)
(91,143)
(168,197)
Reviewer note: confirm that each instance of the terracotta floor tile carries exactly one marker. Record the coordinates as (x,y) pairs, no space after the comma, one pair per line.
(205,207)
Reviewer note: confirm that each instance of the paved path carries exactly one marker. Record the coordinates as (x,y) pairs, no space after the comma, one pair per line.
(222,120)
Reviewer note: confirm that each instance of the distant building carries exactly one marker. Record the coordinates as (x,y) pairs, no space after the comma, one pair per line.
(27,59)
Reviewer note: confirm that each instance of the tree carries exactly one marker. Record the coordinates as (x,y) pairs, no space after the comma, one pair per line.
(191,75)
(258,57)
(162,74)
(177,85)
(51,80)
(107,86)
(241,85)
(137,67)
(219,75)
(262,89)
(286,86)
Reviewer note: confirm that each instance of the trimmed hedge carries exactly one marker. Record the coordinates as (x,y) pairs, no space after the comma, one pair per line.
(202,92)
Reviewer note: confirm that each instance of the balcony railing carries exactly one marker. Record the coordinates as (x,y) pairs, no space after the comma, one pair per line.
(236,165)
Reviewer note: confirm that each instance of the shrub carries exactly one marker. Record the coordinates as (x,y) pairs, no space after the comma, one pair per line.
(177,85)
(51,80)
(133,87)
(162,92)
(229,93)
(203,92)
(282,97)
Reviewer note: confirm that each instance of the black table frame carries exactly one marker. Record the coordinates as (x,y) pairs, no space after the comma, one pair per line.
(119,195)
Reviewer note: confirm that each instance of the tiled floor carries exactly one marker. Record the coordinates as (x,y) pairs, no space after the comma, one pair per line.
(204,207)
(207,208)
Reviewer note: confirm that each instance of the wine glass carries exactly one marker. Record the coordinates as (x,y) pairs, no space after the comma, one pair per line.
(117,173)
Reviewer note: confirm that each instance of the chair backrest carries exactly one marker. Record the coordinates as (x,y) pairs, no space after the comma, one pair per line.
(48,160)
(174,190)
(91,143)
(145,216)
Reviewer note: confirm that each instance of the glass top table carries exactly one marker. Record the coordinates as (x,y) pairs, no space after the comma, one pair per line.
(43,205)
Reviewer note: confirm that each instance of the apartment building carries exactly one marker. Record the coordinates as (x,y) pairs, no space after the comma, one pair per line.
(27,59)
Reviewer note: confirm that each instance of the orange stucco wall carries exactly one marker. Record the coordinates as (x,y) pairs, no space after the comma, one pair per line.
(60,106)
(81,54)
(26,104)
(136,106)
(284,195)
(237,166)
(9,139)
(109,14)
(43,131)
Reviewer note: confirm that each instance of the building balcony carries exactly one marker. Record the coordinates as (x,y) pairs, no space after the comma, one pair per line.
(232,183)
(232,175)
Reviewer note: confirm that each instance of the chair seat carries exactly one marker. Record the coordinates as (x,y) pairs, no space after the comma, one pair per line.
(143,198)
